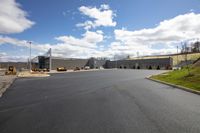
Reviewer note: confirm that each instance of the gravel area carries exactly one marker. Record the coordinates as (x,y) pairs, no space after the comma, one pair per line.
(5,81)
(28,74)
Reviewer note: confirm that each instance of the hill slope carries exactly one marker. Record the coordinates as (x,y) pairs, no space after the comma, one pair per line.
(197,64)
(182,77)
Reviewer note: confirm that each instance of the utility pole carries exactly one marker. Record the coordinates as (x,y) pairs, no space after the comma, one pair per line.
(137,54)
(115,61)
(30,62)
(50,59)
(177,54)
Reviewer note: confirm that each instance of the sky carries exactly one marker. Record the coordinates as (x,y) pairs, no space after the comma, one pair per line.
(96,28)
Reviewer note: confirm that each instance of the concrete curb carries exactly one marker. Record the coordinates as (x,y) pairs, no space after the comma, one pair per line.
(6,86)
(175,86)
(33,76)
(69,71)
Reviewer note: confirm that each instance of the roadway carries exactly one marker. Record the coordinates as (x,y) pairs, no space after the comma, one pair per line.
(107,101)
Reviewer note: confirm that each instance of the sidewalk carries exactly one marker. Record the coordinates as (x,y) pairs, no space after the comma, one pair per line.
(5,81)
(27,74)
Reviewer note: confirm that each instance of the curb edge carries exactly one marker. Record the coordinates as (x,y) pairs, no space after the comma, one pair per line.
(3,90)
(173,85)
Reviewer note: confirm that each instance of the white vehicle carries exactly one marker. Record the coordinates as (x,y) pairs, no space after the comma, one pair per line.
(87,68)
(101,67)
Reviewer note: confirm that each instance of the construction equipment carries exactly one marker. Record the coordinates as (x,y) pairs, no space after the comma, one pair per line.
(77,69)
(61,69)
(11,71)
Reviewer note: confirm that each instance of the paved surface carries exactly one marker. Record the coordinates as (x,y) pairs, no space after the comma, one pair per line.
(110,101)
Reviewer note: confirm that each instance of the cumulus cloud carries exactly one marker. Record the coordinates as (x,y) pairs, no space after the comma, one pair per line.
(68,46)
(7,58)
(168,33)
(8,40)
(89,40)
(161,39)
(12,18)
(4,57)
(102,16)
(182,27)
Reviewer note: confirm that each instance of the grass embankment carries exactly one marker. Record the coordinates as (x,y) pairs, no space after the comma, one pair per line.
(182,77)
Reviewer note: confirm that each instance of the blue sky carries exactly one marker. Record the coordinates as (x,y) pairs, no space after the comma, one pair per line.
(99,28)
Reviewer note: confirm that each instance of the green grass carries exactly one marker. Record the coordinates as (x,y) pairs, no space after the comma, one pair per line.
(182,77)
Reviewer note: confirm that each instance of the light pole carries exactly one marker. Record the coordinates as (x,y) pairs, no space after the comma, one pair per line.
(137,54)
(50,59)
(177,55)
(115,61)
(30,62)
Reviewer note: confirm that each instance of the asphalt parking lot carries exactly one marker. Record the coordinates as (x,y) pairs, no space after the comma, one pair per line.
(107,101)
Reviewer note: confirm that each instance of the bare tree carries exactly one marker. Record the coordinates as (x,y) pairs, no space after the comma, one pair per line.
(186,57)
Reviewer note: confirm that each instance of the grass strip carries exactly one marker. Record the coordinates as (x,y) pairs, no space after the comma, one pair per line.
(183,77)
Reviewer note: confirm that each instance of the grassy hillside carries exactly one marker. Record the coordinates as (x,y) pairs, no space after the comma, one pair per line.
(182,77)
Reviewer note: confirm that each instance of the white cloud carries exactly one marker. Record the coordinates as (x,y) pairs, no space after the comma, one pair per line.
(2,54)
(23,43)
(102,16)
(168,32)
(69,46)
(182,27)
(104,7)
(89,40)
(5,40)
(6,58)
(12,18)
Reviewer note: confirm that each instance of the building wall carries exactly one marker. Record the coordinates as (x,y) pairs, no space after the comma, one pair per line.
(96,63)
(73,63)
(163,63)
(69,63)
(43,62)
